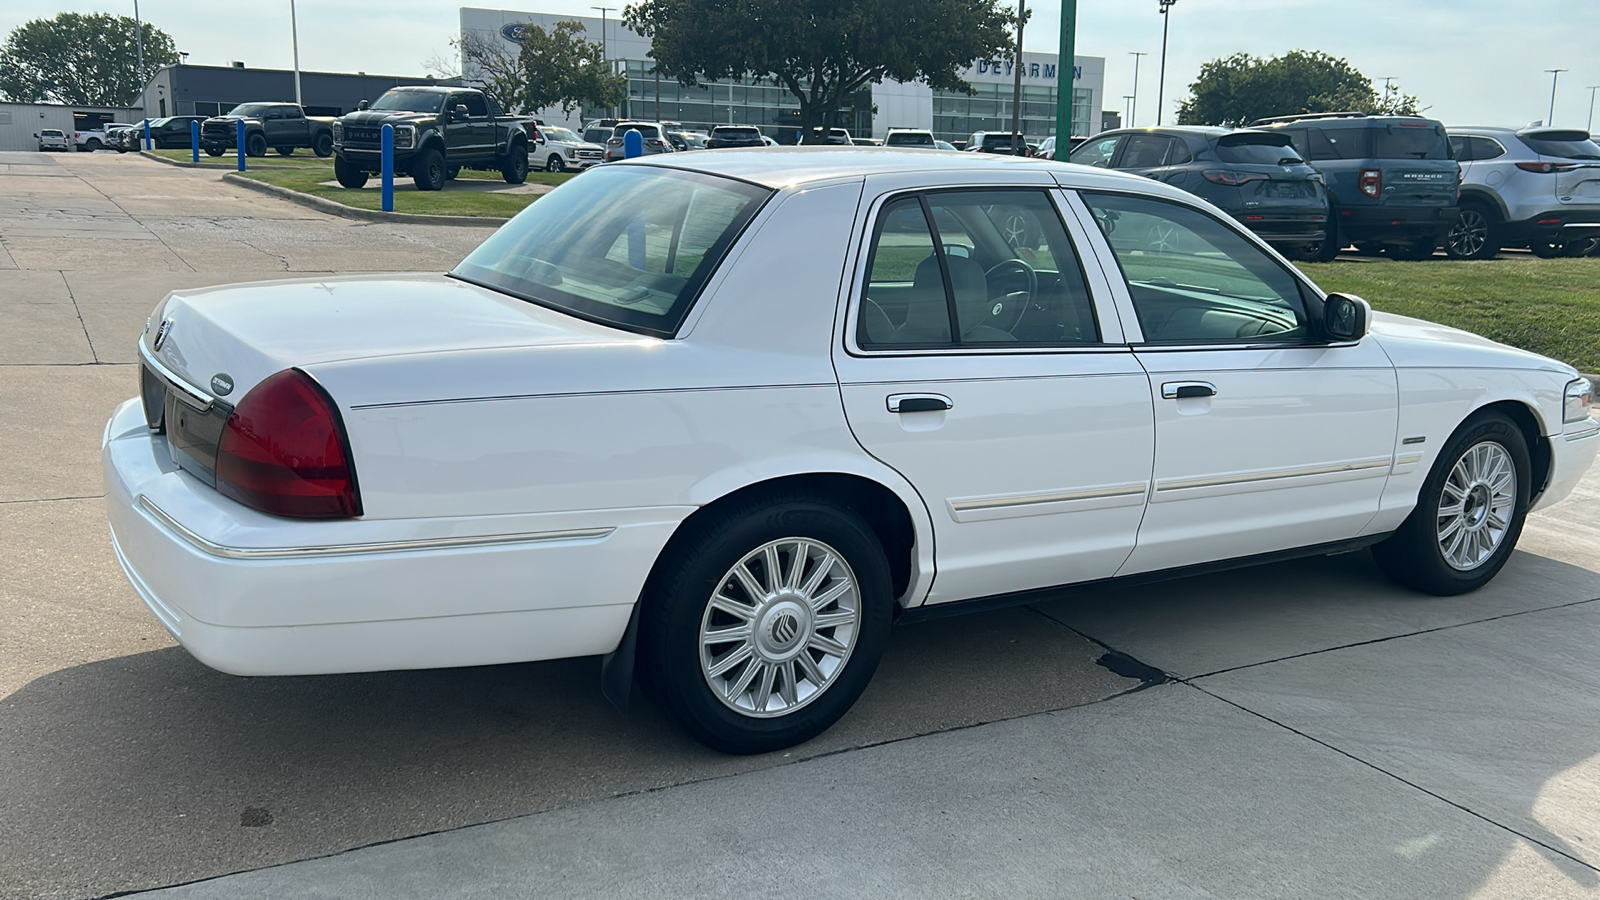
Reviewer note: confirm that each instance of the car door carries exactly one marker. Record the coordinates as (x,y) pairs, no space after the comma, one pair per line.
(993,376)
(460,138)
(1146,154)
(1267,436)
(482,125)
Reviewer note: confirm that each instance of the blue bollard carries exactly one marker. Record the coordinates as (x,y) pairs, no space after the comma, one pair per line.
(632,144)
(388,168)
(239,142)
(147,134)
(194,138)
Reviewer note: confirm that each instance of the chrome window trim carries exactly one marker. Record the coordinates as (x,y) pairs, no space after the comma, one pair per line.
(448,543)
(184,391)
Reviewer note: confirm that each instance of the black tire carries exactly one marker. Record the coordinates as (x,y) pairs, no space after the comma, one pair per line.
(213,150)
(1577,248)
(451,172)
(94,145)
(1413,556)
(1327,249)
(255,145)
(1546,249)
(323,145)
(284,151)
(555,163)
(700,562)
(428,170)
(349,176)
(1476,234)
(514,168)
(1413,251)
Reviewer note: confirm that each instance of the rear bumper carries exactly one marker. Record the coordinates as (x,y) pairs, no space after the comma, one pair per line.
(252,594)
(1554,225)
(1403,223)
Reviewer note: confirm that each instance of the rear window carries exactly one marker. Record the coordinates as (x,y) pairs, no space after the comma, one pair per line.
(908,139)
(628,246)
(744,134)
(1261,149)
(51,132)
(1398,140)
(649,131)
(1565,144)
(597,135)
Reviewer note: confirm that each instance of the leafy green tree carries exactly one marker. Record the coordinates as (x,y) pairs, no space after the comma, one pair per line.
(823,51)
(1240,88)
(491,66)
(562,69)
(81,60)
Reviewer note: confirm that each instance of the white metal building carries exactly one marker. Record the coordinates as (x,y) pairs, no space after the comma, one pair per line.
(19,122)
(951,116)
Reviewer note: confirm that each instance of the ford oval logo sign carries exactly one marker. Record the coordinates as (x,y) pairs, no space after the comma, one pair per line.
(516,32)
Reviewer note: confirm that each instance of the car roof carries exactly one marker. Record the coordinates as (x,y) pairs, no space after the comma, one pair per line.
(790,166)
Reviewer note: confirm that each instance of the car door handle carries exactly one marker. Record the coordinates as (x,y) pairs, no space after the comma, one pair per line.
(909,403)
(1181,390)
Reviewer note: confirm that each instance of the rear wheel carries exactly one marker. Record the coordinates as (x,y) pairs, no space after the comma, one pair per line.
(94,145)
(348,175)
(213,150)
(428,170)
(323,145)
(451,173)
(284,151)
(1545,249)
(1474,236)
(1412,251)
(761,627)
(514,168)
(1469,512)
(1579,247)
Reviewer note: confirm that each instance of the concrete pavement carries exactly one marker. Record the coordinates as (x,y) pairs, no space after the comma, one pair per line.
(1326,734)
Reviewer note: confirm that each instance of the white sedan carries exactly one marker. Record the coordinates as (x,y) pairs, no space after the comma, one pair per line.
(725,416)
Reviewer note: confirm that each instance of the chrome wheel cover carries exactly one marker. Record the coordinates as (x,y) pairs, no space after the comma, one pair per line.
(1475,506)
(1470,233)
(780,627)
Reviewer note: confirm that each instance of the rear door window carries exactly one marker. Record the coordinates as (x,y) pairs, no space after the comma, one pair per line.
(1144,151)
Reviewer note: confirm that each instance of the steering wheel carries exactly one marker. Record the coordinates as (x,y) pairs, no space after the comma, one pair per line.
(1032,292)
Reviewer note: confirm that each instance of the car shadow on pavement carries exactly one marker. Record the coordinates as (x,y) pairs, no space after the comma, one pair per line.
(151,769)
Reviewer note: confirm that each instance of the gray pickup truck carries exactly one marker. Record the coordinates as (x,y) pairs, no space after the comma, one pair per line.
(282,126)
(438,131)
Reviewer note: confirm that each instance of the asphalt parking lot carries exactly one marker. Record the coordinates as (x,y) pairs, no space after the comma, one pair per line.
(1304,729)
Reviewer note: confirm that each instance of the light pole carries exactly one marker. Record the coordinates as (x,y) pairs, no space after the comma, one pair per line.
(1016,84)
(1554,75)
(1128,99)
(294,37)
(138,43)
(1066,71)
(1592,89)
(1134,109)
(1161,89)
(605,54)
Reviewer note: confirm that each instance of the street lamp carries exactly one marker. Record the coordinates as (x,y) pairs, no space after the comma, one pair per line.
(1554,74)
(1134,110)
(1592,89)
(1127,99)
(294,37)
(1161,89)
(1016,86)
(605,54)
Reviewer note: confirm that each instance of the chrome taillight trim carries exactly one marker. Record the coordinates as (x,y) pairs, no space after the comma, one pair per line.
(181,389)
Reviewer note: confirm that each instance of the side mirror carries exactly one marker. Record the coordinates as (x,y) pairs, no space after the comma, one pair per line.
(364,104)
(1345,317)
(459,112)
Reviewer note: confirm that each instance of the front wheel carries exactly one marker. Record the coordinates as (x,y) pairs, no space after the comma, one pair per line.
(555,163)
(348,175)
(762,627)
(1469,512)
(428,171)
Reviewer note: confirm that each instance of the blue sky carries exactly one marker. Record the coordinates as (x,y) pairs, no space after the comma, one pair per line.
(1469,61)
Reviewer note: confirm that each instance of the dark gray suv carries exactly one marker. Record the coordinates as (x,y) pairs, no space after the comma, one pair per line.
(1254,176)
(1392,180)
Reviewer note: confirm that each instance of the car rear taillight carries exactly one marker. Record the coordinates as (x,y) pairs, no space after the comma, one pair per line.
(1546,168)
(284,451)
(655,143)
(1223,176)
(1371,182)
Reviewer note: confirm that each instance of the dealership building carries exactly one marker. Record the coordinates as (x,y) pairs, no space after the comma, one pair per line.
(872,111)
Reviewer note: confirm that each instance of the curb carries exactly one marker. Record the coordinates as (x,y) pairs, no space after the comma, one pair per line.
(194,165)
(349,212)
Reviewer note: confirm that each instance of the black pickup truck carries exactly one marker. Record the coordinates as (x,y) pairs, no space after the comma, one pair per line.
(438,131)
(282,126)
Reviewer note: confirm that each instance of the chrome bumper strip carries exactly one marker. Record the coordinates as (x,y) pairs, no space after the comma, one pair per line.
(184,391)
(1376,462)
(450,543)
(1121,490)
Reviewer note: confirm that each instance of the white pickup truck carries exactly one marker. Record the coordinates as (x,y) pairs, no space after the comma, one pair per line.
(95,139)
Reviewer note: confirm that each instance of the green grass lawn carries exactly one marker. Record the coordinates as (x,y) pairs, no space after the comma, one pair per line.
(407,199)
(300,159)
(1549,306)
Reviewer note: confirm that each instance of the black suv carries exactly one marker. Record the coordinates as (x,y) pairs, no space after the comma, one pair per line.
(735,136)
(1392,180)
(1253,175)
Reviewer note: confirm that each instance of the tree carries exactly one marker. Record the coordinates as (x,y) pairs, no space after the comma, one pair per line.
(562,69)
(81,60)
(823,50)
(1240,88)
(490,66)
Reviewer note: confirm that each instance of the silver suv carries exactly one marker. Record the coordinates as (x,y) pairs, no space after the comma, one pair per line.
(655,139)
(1533,187)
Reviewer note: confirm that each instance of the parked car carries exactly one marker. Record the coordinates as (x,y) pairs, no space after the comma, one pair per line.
(726,416)
(93,139)
(52,139)
(996,142)
(172,133)
(1391,181)
(654,135)
(1530,187)
(866,142)
(910,137)
(683,141)
(438,131)
(558,149)
(724,136)
(836,136)
(1253,175)
(284,127)
(944,145)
